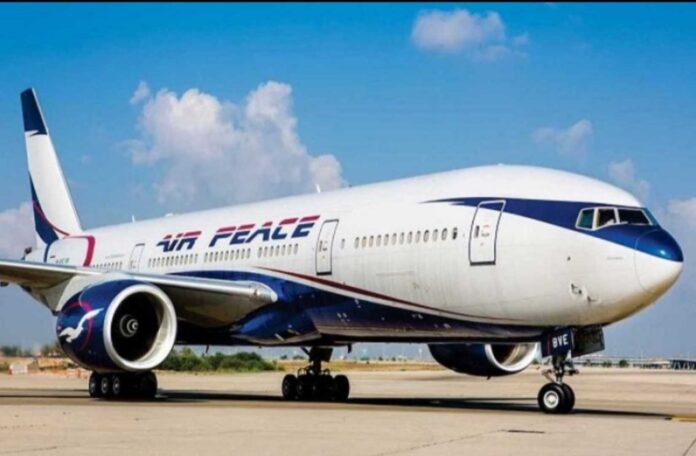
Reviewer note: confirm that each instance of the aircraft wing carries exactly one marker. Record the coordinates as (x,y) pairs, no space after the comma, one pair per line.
(204,301)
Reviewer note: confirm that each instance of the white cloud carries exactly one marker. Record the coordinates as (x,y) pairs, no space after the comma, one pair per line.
(624,174)
(212,151)
(482,36)
(571,142)
(17,228)
(141,93)
(521,40)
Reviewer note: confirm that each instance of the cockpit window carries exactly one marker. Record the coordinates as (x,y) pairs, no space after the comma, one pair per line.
(633,217)
(600,217)
(586,219)
(606,217)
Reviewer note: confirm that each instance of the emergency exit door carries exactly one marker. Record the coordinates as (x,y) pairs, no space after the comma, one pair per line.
(325,247)
(484,232)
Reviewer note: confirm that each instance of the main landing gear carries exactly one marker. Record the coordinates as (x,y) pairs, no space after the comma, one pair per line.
(123,386)
(558,397)
(313,383)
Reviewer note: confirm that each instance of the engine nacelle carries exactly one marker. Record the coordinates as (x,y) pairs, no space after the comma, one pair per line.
(117,325)
(484,360)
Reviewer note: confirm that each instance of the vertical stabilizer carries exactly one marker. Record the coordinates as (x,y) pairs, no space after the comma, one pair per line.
(54,212)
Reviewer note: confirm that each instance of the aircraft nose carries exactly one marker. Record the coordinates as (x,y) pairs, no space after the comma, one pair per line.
(659,261)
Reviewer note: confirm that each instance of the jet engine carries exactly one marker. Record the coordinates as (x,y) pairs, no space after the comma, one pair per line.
(117,325)
(484,360)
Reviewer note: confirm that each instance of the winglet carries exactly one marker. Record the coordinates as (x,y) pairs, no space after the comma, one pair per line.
(33,119)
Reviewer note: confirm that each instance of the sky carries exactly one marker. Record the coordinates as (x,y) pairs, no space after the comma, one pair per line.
(160,108)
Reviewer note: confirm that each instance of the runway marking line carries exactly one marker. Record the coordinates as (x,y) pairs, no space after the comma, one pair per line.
(684,418)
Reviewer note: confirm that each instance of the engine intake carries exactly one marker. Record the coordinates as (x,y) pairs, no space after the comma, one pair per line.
(484,360)
(118,325)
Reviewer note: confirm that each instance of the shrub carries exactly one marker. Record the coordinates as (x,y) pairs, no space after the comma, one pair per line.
(187,361)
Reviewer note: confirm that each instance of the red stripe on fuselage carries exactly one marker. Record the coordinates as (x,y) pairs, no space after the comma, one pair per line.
(372,294)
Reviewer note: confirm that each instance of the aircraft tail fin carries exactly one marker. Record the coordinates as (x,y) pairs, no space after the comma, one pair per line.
(55,216)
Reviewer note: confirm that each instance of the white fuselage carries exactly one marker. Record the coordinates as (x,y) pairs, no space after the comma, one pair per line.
(405,244)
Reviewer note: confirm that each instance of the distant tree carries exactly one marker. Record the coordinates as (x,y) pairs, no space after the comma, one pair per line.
(14,351)
(623,363)
(52,350)
(607,363)
(187,360)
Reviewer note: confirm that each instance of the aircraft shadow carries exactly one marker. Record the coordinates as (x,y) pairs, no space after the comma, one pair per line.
(502,404)
(512,404)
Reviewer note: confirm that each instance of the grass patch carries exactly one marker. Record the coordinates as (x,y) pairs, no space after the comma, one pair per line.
(185,360)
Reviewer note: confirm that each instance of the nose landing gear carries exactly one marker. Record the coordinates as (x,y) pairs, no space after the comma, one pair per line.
(557,397)
(314,383)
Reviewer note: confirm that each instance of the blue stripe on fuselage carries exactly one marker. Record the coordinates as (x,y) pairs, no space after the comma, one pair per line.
(302,310)
(564,214)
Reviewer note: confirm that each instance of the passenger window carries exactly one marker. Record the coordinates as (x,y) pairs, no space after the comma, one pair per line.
(393,239)
(633,217)
(379,240)
(418,235)
(357,243)
(444,234)
(606,217)
(586,219)
(372,241)
(435,233)
(401,238)
(410,236)
(454,233)
(426,236)
(364,242)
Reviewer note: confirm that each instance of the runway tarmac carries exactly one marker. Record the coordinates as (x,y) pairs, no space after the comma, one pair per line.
(619,411)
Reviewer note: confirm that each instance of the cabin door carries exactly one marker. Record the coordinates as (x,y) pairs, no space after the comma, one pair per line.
(325,247)
(484,232)
(134,262)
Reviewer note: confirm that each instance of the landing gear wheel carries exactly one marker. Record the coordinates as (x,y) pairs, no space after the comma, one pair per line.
(123,386)
(325,388)
(105,386)
(314,383)
(94,386)
(117,386)
(304,387)
(570,398)
(552,398)
(146,385)
(289,387)
(341,388)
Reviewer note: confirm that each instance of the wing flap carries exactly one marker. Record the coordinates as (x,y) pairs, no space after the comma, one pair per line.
(205,302)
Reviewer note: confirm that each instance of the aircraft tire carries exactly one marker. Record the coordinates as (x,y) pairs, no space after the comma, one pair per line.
(94,385)
(552,399)
(289,387)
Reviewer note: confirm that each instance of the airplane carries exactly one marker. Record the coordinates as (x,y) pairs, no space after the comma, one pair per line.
(486,265)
